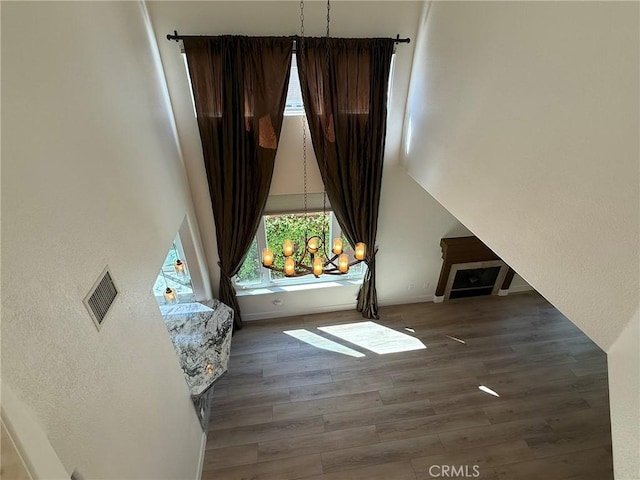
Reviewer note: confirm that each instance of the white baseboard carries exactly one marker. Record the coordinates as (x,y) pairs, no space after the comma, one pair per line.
(203,449)
(404,301)
(248,317)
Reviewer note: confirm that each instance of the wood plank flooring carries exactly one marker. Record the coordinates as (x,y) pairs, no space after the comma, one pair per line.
(289,410)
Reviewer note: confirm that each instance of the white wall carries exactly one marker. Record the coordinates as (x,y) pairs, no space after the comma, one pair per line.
(33,449)
(91,176)
(524,124)
(524,120)
(402,237)
(623,359)
(288,172)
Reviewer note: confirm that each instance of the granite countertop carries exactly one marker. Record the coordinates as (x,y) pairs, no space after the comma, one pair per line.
(201,336)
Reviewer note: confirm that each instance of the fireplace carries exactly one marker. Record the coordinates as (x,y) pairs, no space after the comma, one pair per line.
(471,269)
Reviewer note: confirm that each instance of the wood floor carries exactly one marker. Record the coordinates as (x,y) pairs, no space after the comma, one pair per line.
(289,410)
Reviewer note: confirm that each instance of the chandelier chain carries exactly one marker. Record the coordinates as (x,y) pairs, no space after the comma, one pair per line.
(313,258)
(328,16)
(302,18)
(327,118)
(304,119)
(304,160)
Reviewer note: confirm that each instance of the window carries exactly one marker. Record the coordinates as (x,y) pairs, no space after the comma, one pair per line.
(180,282)
(293,104)
(273,230)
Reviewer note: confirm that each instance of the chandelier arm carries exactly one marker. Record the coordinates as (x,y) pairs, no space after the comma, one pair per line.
(302,270)
(301,259)
(331,261)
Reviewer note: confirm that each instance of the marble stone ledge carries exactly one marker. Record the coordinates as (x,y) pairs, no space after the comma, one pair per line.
(201,336)
(183,309)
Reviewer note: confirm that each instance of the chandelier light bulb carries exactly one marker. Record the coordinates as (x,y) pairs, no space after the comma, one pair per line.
(337,246)
(287,248)
(179,266)
(267,257)
(343,263)
(289,267)
(312,245)
(317,266)
(169,295)
(361,250)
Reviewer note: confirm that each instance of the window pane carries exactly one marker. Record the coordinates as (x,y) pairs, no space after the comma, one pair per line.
(293,104)
(294,227)
(169,277)
(251,270)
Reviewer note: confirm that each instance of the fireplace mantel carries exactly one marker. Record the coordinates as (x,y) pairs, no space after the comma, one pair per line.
(469,252)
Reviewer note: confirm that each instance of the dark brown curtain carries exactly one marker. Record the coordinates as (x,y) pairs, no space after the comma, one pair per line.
(344,85)
(239,85)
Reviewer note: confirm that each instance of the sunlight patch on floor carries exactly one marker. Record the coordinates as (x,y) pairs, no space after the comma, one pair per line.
(322,343)
(377,338)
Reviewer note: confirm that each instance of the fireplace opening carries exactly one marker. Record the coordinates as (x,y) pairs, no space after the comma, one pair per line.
(474,282)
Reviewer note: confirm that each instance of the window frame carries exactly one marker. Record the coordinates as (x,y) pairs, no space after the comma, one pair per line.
(169,269)
(266,281)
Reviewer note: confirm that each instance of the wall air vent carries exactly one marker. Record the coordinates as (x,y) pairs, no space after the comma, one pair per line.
(100,298)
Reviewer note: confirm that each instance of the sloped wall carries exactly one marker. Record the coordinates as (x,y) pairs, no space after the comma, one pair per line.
(91,176)
(623,359)
(522,120)
(524,124)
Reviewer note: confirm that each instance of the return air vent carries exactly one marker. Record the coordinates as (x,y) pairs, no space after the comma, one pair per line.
(100,298)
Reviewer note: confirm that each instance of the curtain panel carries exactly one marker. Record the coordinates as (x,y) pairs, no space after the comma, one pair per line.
(344,86)
(239,87)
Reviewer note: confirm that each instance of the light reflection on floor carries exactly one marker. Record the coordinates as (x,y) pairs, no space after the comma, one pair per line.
(488,390)
(456,339)
(377,338)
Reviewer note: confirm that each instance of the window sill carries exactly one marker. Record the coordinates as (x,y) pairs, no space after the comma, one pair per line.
(265,290)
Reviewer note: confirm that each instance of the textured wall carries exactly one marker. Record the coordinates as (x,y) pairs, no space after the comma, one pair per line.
(91,176)
(523,121)
(623,359)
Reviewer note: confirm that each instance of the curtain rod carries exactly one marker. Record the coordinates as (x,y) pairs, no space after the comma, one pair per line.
(177,37)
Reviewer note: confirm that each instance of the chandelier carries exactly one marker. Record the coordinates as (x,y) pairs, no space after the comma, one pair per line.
(313,259)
